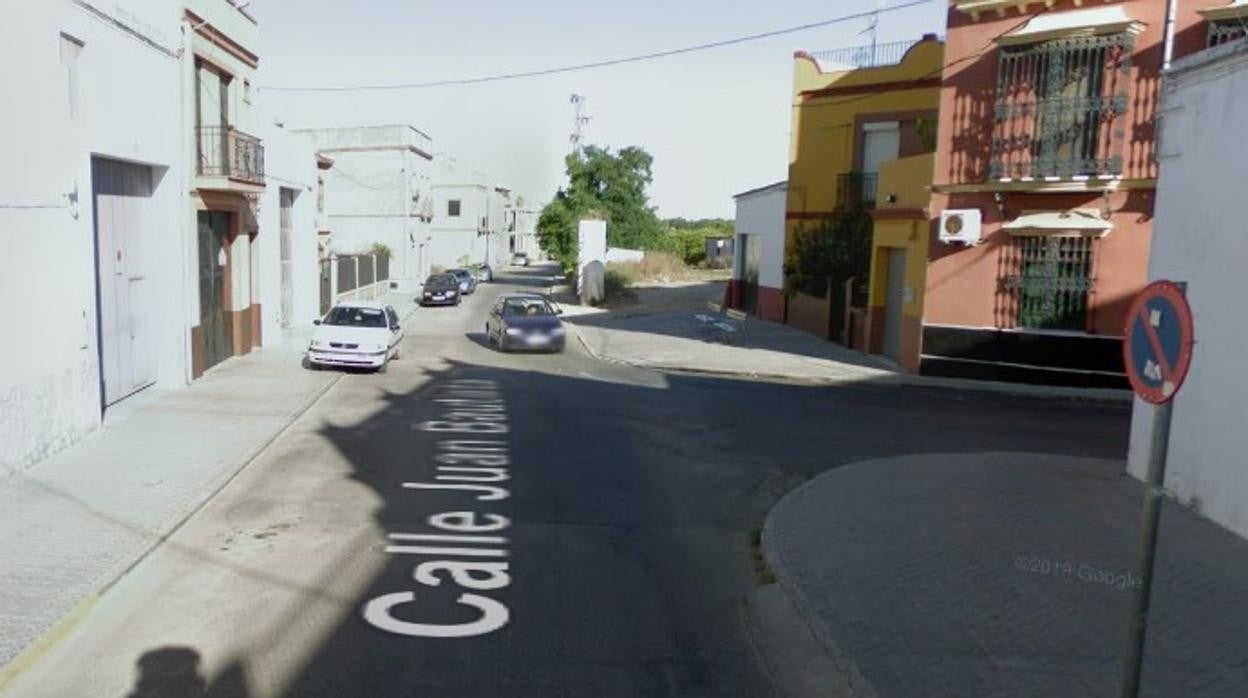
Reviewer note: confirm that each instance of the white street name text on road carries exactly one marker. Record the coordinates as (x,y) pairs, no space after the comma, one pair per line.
(463,551)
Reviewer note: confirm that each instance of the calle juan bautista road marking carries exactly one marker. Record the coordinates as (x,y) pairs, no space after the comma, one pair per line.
(465,549)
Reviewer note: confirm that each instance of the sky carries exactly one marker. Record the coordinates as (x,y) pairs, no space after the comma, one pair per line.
(715,121)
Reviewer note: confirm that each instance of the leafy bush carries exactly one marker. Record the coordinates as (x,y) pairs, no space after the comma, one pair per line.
(832,251)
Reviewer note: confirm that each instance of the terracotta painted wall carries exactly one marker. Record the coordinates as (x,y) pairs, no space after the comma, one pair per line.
(810,314)
(963,284)
(771,304)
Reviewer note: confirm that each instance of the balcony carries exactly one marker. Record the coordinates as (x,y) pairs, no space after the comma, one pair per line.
(869,56)
(226,153)
(857,190)
(1060,109)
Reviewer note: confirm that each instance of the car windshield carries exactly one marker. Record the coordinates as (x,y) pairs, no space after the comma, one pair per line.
(349,316)
(519,307)
(440,281)
(460,273)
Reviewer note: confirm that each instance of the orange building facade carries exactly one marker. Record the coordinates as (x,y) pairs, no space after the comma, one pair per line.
(1044,183)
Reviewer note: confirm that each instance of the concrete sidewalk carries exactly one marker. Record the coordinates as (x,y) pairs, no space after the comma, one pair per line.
(677,341)
(77,521)
(1005,574)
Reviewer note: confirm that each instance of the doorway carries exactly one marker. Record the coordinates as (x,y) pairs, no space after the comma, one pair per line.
(121,194)
(286,205)
(214,228)
(894,300)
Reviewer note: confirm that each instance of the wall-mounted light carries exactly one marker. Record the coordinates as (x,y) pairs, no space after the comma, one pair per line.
(999,198)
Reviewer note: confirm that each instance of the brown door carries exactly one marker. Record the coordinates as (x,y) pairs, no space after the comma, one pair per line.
(213,228)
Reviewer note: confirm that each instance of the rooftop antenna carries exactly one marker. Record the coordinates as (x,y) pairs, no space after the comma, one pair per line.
(873,28)
(578,122)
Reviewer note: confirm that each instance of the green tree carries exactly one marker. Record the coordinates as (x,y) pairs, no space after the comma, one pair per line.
(832,250)
(612,185)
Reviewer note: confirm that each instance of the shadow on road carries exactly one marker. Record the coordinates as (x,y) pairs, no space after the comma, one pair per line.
(630,508)
(175,672)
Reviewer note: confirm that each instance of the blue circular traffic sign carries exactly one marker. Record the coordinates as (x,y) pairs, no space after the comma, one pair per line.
(1157,341)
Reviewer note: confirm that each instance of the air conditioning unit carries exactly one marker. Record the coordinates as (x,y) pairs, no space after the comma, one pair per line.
(961,225)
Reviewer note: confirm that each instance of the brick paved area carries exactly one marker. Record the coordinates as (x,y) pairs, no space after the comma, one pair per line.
(995,574)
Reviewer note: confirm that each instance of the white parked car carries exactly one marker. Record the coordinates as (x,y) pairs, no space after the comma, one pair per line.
(520,259)
(357,333)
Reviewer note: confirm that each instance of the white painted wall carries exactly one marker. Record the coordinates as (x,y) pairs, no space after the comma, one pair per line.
(591,245)
(1199,237)
(479,233)
(761,213)
(621,254)
(49,381)
(382,192)
(290,163)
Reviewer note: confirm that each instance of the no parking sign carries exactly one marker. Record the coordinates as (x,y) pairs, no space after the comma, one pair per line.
(1157,346)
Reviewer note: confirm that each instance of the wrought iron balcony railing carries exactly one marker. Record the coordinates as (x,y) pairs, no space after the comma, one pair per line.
(227,152)
(868,56)
(1059,108)
(1225,31)
(856,189)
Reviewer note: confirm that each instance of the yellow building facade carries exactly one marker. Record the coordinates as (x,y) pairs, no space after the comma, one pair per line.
(863,130)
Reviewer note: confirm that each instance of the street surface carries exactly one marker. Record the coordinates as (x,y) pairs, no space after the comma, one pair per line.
(471,523)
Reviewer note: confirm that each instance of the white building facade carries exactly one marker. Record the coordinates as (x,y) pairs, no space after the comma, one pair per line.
(289,289)
(91,201)
(471,218)
(1199,239)
(381,195)
(758,264)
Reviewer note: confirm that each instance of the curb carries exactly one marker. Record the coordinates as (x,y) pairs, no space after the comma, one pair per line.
(852,683)
(55,634)
(896,380)
(47,641)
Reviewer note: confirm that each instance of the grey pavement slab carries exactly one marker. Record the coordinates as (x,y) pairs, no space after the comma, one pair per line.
(76,521)
(679,340)
(1003,574)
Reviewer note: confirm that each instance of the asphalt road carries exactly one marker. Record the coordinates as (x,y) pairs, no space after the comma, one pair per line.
(595,520)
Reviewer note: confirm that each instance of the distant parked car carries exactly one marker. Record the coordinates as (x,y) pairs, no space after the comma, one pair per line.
(525,321)
(520,259)
(483,273)
(467,281)
(359,333)
(440,289)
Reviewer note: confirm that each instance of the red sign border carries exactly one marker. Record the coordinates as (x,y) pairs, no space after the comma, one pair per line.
(1182,365)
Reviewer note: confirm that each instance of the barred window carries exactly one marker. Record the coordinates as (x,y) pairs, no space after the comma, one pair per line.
(1050,280)
(1057,108)
(1225,31)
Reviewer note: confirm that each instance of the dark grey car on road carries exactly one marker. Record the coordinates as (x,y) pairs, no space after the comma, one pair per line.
(525,322)
(440,289)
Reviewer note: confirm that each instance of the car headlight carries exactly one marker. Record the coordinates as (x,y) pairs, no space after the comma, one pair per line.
(316,345)
(450,293)
(558,330)
(428,294)
(514,331)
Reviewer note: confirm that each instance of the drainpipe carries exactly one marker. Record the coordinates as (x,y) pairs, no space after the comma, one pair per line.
(1172,9)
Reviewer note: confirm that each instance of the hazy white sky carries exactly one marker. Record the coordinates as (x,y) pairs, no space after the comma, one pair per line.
(716,122)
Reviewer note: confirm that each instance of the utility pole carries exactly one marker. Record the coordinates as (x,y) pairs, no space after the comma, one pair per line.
(578,122)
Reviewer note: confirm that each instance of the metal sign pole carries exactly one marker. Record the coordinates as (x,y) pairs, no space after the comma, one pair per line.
(1154,495)
(1154,490)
